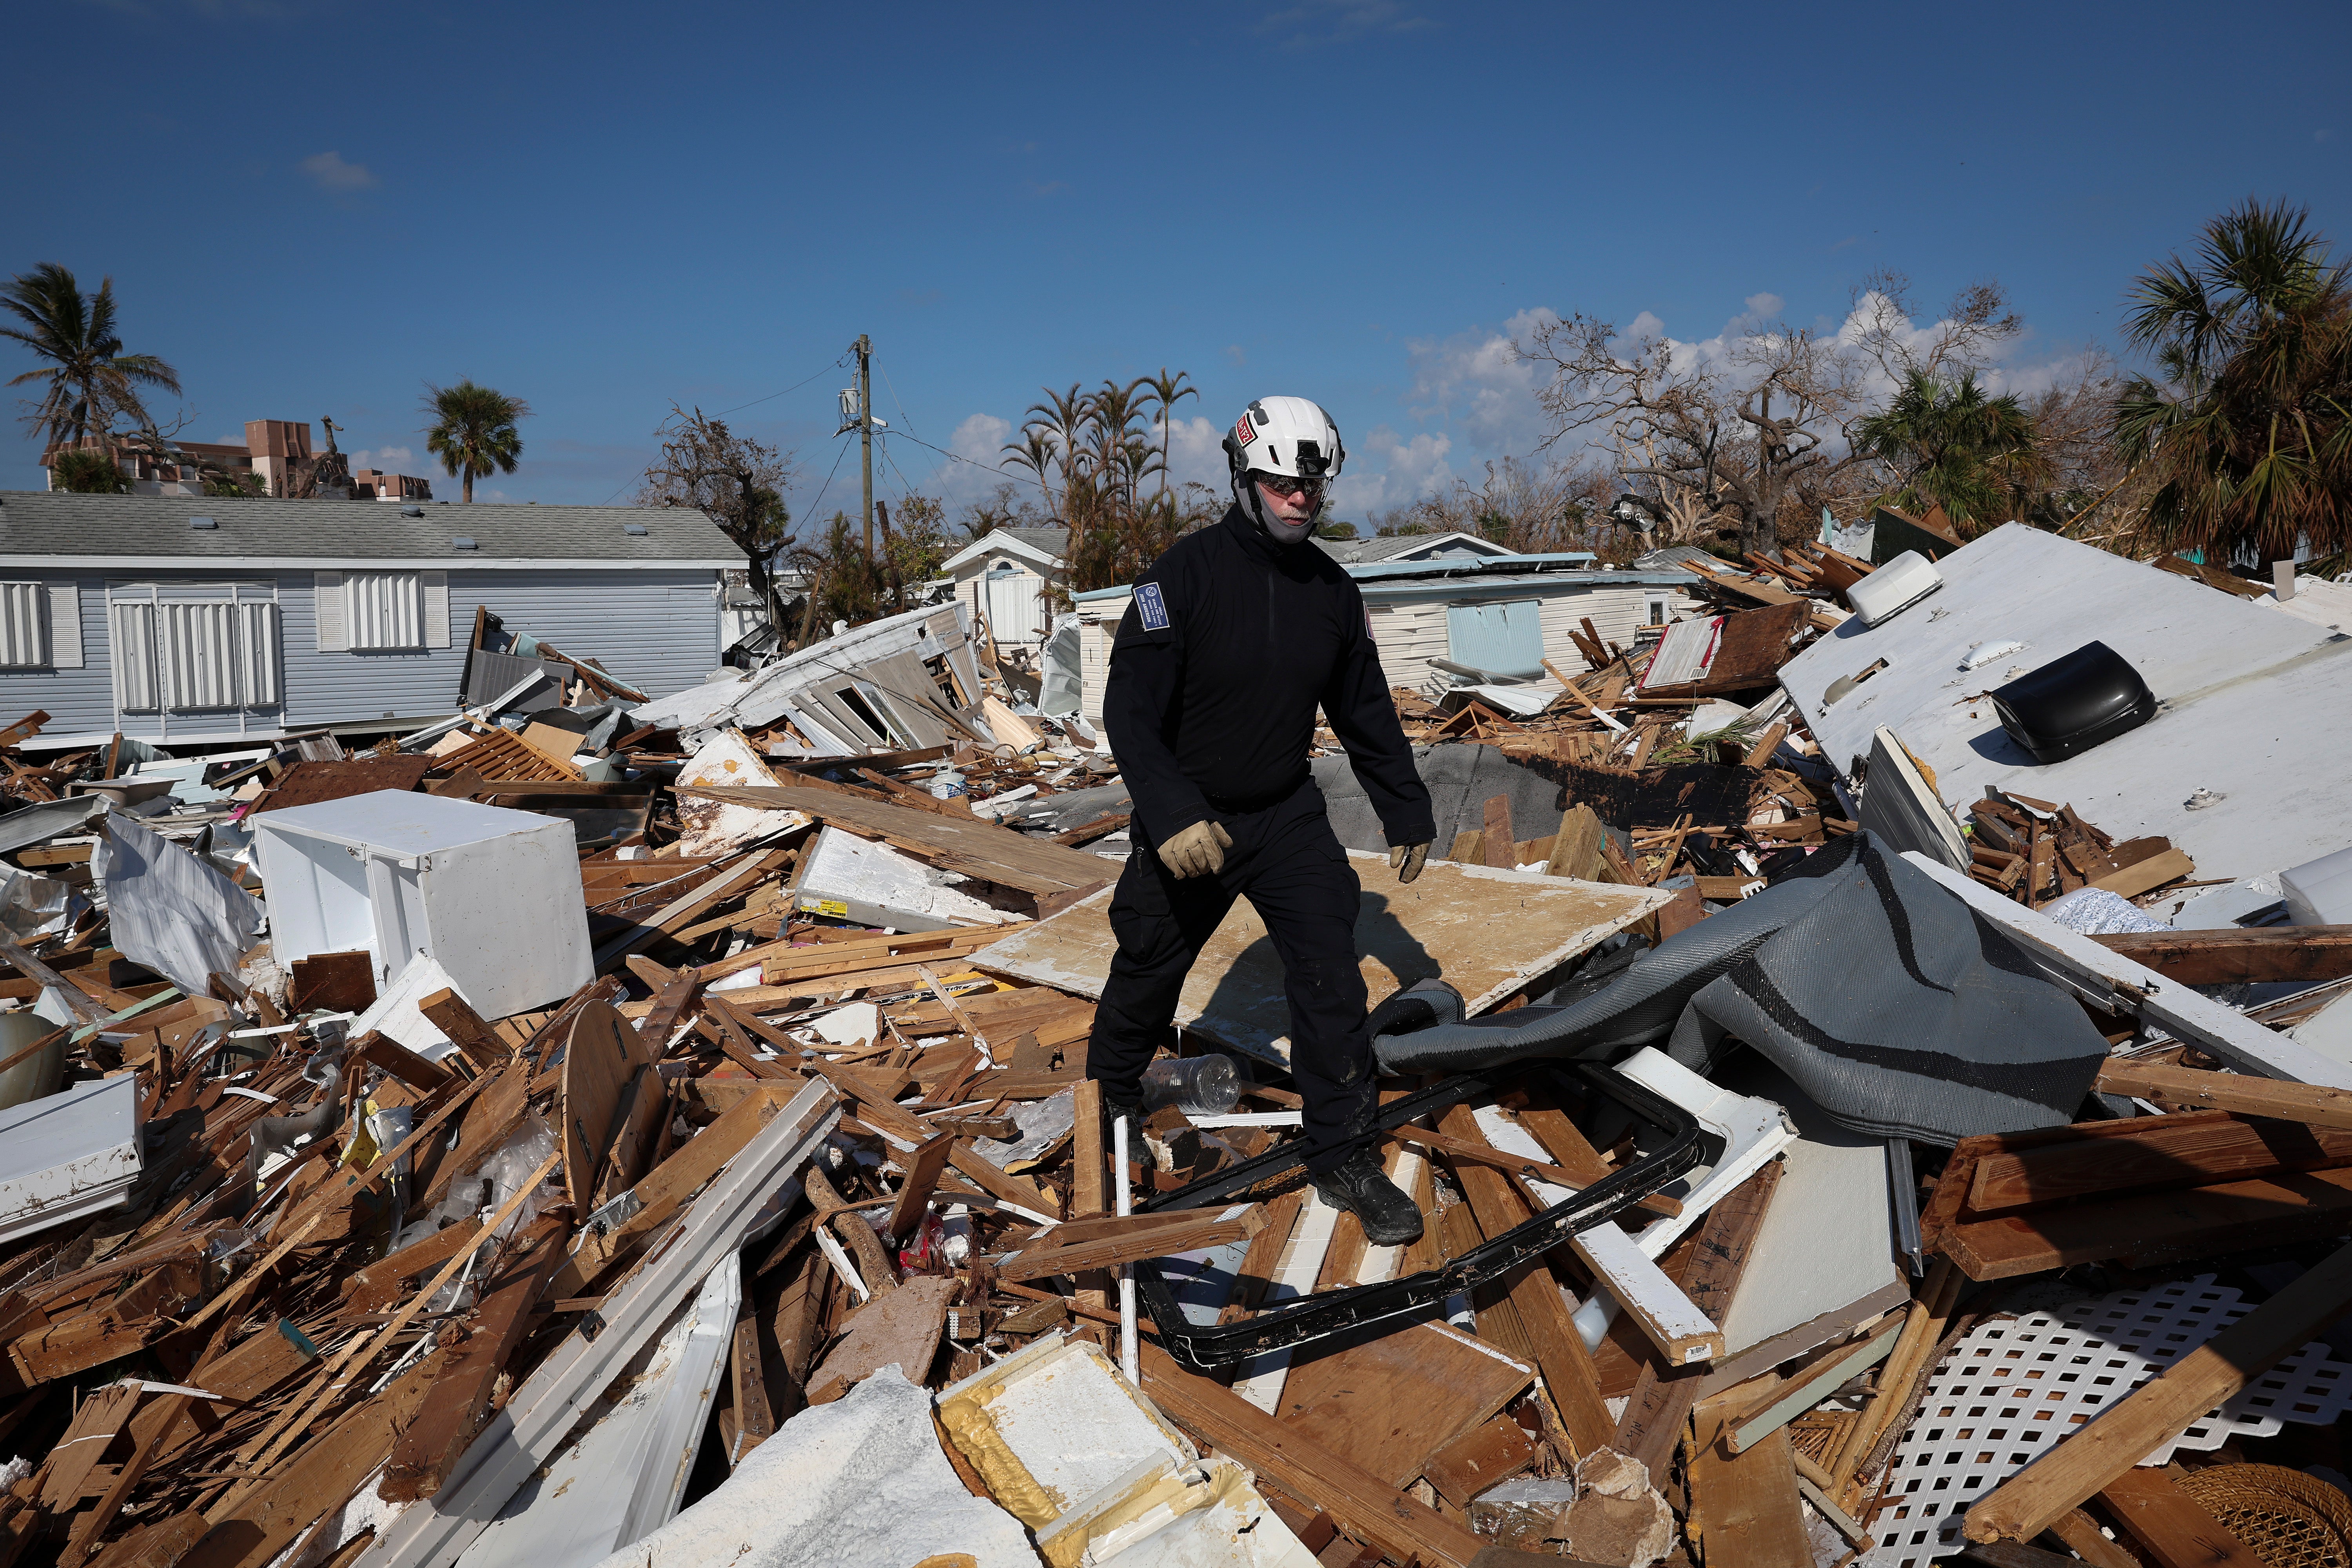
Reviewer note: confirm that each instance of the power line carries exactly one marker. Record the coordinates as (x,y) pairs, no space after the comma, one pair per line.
(1001,473)
(796,386)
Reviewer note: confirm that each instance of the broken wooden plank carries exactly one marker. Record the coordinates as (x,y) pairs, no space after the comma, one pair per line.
(2310,1103)
(2095,1454)
(1200,1230)
(755,1422)
(1366,1507)
(1552,1339)
(461,1396)
(2174,1526)
(1388,1401)
(2225,957)
(449,1013)
(923,1169)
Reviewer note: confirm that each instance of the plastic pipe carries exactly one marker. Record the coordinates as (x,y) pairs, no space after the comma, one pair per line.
(1129,1361)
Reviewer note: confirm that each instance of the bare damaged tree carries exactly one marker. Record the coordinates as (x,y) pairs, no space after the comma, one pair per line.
(1710,448)
(1967,336)
(738,482)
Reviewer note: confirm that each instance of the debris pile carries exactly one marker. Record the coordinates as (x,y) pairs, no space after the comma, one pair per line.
(658,1131)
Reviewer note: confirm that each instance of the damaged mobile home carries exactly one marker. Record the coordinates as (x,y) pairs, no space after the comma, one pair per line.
(1875,1074)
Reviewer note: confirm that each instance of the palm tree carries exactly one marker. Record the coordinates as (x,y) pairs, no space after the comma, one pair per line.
(1116,410)
(2249,431)
(1167,392)
(1952,446)
(473,431)
(1035,452)
(1066,418)
(90,378)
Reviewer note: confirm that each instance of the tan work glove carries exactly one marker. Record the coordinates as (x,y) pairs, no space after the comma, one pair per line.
(1197,851)
(1408,859)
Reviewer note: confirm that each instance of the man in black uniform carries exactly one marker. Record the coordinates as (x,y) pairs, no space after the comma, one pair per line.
(1234,638)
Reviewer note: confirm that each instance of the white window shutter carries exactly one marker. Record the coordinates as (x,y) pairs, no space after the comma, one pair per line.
(386,610)
(133,628)
(329,599)
(256,655)
(65,626)
(437,609)
(24,625)
(200,656)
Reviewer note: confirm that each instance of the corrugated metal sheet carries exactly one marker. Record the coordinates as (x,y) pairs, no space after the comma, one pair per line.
(198,655)
(654,627)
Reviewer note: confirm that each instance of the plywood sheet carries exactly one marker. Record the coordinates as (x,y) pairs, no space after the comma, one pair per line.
(1484,930)
(1392,1400)
(967,847)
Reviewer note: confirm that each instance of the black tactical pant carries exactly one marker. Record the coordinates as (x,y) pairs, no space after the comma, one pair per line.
(1287,863)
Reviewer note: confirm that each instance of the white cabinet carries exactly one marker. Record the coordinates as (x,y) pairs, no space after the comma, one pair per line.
(492,895)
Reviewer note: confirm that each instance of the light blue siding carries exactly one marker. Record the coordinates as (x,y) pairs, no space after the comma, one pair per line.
(654,628)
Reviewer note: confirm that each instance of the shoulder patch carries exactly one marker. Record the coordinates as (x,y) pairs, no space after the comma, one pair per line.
(1150,609)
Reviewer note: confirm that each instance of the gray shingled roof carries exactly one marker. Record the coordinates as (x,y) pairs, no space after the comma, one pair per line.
(1052,541)
(55,522)
(1389,546)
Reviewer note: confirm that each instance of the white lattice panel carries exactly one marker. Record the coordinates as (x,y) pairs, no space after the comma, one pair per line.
(2015,1386)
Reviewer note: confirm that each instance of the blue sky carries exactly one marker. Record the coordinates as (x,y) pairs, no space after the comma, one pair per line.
(316,208)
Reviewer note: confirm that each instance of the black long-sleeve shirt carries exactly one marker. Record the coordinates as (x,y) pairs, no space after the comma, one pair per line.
(1229,644)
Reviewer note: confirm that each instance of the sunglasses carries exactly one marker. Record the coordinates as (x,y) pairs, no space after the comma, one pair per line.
(1284,485)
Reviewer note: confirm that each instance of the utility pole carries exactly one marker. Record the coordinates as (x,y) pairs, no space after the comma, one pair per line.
(865,431)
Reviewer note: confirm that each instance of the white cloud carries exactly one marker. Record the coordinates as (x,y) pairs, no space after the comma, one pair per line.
(1410,469)
(1196,452)
(979,441)
(1476,384)
(385,459)
(1760,305)
(329,172)
(1233,354)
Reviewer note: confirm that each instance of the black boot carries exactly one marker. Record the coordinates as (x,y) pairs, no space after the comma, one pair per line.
(1364,1190)
(1139,1147)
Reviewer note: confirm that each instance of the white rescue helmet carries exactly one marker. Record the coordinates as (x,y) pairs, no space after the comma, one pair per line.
(1290,436)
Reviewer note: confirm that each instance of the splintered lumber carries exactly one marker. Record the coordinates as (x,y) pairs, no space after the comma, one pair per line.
(2149,1229)
(448,1012)
(1911,1359)
(965,846)
(849,1224)
(1365,1506)
(2313,1104)
(460,1399)
(1745,1508)
(2097,1453)
(993,1180)
(755,1422)
(1660,1406)
(2196,1150)
(1550,1332)
(2226,957)
(1201,1229)
(250,1532)
(400,1061)
(1480,1459)
(669,1185)
(1389,1400)
(354,1359)
(923,1170)
(2174,1526)
(1565,1173)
